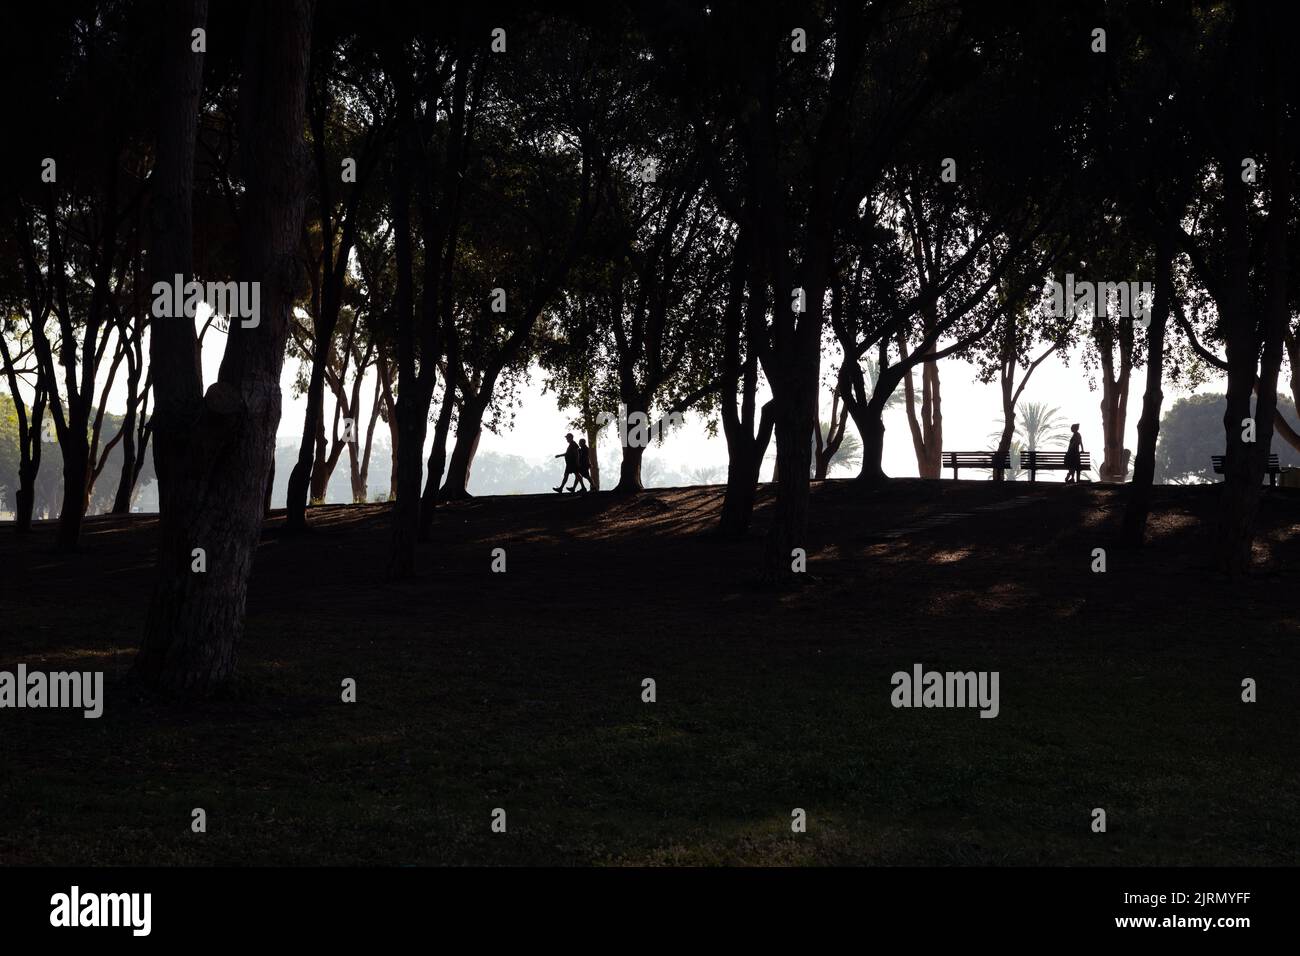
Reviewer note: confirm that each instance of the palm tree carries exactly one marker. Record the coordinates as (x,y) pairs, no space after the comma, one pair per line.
(847,456)
(873,375)
(704,475)
(652,469)
(1039,424)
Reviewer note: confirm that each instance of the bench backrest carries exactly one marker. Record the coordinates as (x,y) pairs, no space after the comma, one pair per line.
(1274,463)
(1034,460)
(976,459)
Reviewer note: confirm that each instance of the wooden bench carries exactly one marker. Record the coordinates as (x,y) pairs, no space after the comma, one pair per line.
(1036,461)
(1273,470)
(956,460)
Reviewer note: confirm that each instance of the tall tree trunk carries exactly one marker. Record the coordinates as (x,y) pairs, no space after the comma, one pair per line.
(126,480)
(173,347)
(927,426)
(794,420)
(361,474)
(220,473)
(1244,462)
(469,427)
(1004,442)
(629,470)
(406,509)
(321,470)
(871,428)
(629,466)
(1113,466)
(76,470)
(869,416)
(1114,397)
(313,435)
(745,448)
(794,394)
(24,498)
(743,464)
(1138,508)
(1006,385)
(415,388)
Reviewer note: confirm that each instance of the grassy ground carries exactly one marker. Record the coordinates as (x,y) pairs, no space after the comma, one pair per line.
(523,691)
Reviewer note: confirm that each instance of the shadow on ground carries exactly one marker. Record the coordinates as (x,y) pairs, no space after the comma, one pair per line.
(523,690)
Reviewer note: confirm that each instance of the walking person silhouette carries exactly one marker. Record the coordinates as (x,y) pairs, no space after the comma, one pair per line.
(1073,458)
(584,463)
(570,456)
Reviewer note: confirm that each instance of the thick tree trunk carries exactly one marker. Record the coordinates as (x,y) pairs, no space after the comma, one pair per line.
(870,422)
(469,428)
(25,497)
(1241,484)
(1114,399)
(871,427)
(794,414)
(322,466)
(926,424)
(356,481)
(416,338)
(1138,508)
(1004,443)
(794,418)
(1113,466)
(173,347)
(742,489)
(76,470)
(218,475)
(406,508)
(744,321)
(629,470)
(1244,462)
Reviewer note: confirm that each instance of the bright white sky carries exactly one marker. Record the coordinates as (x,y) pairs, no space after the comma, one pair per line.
(970,410)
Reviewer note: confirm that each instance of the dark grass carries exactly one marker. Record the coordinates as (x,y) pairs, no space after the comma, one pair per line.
(523,691)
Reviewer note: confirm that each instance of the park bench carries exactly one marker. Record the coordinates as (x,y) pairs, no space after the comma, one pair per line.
(1273,469)
(956,460)
(1036,461)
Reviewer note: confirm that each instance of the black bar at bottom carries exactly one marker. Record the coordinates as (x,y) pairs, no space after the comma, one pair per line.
(212,905)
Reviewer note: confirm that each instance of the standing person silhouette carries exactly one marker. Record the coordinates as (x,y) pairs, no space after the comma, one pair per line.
(570,456)
(584,463)
(1073,458)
